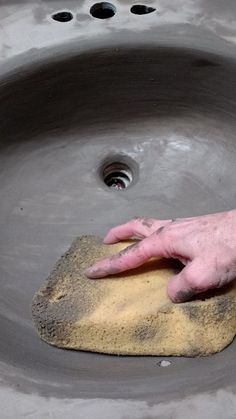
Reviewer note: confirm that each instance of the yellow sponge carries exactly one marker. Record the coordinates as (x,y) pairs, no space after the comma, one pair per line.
(129,313)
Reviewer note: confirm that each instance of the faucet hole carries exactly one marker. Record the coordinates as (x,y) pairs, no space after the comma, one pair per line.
(103,10)
(140,9)
(62,16)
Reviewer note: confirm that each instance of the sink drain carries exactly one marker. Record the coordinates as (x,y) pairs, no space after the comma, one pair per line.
(117,175)
(118,171)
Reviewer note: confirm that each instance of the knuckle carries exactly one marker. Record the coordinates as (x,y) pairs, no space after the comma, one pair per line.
(167,236)
(169,231)
(163,238)
(135,221)
(138,220)
(145,249)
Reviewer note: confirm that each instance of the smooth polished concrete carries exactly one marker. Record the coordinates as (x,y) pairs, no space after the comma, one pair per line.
(168,108)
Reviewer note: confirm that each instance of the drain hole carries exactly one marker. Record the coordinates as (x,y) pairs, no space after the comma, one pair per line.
(117,175)
(103,10)
(62,16)
(140,9)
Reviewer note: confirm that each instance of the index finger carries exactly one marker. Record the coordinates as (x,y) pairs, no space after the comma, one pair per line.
(131,257)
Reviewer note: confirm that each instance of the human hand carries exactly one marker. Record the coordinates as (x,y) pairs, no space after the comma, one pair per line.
(206,245)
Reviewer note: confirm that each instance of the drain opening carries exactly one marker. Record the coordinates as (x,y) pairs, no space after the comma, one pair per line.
(140,9)
(103,10)
(62,16)
(117,175)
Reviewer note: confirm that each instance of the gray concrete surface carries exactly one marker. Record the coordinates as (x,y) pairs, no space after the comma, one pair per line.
(157,88)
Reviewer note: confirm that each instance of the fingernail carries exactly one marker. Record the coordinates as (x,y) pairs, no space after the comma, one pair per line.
(106,239)
(95,272)
(90,272)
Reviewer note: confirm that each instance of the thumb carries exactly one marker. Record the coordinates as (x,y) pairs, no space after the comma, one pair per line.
(192,280)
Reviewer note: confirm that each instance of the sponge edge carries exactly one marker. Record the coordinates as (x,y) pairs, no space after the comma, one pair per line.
(129,313)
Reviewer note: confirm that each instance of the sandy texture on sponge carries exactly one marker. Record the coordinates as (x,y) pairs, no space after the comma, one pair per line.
(129,313)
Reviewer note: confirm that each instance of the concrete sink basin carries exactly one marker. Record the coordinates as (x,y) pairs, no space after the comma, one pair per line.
(99,123)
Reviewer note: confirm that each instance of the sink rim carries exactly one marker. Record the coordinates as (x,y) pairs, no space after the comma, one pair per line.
(32,60)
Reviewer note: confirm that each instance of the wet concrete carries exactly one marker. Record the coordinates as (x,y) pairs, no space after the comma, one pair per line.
(164,97)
